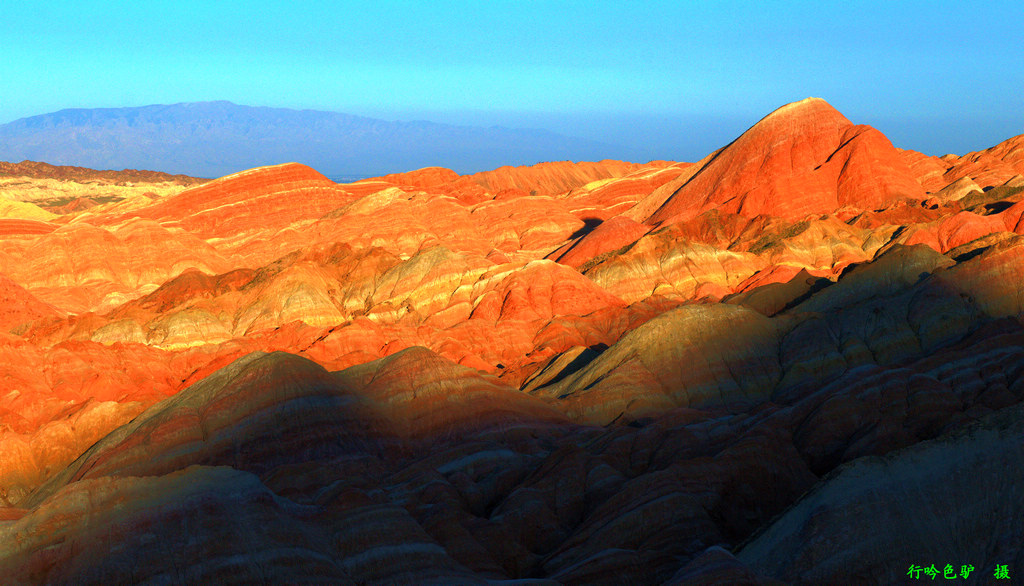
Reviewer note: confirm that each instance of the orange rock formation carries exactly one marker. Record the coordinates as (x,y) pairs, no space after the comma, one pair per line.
(561,372)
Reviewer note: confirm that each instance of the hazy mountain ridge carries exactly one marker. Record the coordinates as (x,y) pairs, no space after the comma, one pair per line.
(41,170)
(211,139)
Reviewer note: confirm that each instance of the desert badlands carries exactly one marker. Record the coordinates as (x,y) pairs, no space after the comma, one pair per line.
(797,360)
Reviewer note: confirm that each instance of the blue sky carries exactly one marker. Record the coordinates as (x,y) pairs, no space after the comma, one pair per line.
(674,79)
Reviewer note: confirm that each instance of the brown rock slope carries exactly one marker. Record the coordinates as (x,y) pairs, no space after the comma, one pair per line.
(41,170)
(824,537)
(568,373)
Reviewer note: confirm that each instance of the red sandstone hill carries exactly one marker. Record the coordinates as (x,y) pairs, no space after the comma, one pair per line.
(278,195)
(804,158)
(667,373)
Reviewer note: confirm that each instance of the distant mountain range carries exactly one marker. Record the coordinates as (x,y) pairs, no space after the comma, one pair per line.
(212,139)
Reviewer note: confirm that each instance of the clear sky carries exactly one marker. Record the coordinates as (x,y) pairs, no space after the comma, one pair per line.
(677,79)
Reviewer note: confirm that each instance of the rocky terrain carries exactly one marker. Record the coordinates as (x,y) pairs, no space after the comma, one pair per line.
(798,360)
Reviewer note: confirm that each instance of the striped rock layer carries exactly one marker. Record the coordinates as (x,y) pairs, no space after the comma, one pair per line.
(569,373)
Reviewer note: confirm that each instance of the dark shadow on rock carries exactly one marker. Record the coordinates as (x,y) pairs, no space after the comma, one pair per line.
(969,255)
(580,361)
(588,226)
(997,207)
(773,298)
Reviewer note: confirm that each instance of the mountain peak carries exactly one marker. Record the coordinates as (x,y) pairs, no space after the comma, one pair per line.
(792,163)
(806,105)
(208,104)
(808,119)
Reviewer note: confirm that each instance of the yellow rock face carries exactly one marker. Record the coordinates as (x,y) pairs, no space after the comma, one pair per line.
(23,210)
